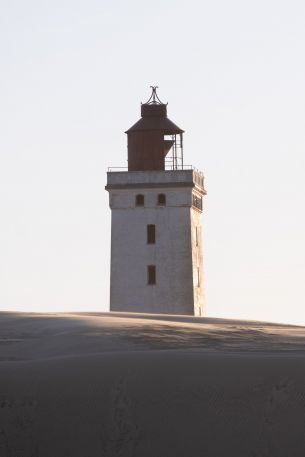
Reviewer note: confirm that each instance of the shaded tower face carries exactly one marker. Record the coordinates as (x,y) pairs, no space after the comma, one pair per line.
(154,142)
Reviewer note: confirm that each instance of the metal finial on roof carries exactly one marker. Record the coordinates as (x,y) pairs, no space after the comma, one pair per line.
(154,99)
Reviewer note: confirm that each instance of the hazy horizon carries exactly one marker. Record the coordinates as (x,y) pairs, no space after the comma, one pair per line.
(73,75)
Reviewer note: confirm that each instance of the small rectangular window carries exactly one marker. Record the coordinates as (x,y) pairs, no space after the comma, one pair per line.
(161,199)
(151,234)
(151,274)
(197,202)
(139,200)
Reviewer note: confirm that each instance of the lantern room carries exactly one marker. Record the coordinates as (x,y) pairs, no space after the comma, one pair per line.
(154,142)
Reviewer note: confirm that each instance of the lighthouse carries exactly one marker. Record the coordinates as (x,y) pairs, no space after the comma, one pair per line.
(156,234)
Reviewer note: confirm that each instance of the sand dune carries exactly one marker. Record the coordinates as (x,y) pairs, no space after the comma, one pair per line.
(88,385)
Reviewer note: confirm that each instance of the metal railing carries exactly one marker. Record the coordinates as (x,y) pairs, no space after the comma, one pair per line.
(117,169)
(168,167)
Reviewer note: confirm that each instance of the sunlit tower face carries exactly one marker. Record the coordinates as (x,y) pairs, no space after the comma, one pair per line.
(156,204)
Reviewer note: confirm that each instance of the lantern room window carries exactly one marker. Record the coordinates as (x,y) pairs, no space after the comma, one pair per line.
(139,200)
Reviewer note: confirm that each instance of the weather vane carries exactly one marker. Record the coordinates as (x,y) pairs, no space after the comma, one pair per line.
(154,99)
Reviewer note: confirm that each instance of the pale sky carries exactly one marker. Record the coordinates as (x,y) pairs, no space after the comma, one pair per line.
(73,74)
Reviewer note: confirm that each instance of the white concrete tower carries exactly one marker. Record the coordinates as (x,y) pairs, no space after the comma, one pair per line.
(156,205)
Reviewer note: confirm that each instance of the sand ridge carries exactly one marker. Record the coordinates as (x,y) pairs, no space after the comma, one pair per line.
(31,336)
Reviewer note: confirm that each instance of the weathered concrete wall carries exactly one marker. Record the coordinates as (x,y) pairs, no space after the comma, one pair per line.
(150,177)
(197,260)
(176,253)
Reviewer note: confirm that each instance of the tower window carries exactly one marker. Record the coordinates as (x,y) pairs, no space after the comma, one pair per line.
(139,200)
(161,199)
(151,234)
(198,277)
(151,274)
(197,201)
